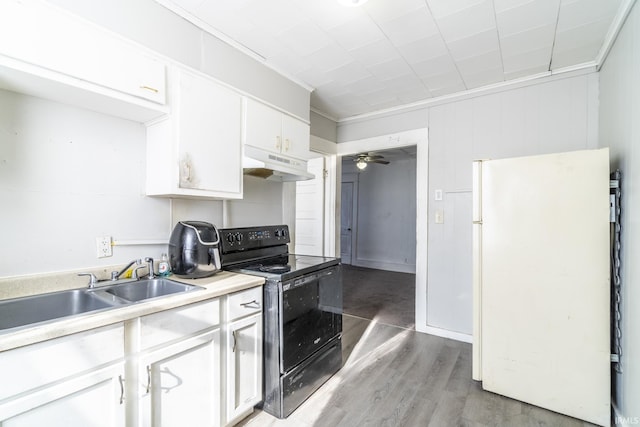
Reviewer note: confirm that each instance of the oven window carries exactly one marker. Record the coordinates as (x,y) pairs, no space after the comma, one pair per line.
(311,314)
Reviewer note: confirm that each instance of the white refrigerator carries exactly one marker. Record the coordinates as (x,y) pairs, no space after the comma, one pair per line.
(541,281)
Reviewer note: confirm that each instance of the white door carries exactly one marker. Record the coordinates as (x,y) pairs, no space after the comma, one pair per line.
(346,222)
(310,211)
(542,288)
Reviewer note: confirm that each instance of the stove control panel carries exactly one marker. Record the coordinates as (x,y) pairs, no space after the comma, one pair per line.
(247,238)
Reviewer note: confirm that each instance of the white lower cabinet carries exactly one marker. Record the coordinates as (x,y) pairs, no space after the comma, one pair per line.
(180,384)
(243,352)
(76,380)
(244,367)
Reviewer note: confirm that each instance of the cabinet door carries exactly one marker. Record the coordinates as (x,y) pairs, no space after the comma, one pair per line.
(180,385)
(263,127)
(209,124)
(93,400)
(54,40)
(244,366)
(295,137)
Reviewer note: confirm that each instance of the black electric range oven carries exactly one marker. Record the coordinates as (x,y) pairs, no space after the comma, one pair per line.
(302,312)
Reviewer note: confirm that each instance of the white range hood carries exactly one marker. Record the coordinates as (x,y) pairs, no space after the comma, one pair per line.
(274,167)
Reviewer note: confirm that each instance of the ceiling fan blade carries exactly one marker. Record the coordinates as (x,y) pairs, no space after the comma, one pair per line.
(382,162)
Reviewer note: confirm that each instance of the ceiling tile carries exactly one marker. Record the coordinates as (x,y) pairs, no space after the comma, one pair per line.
(384,10)
(410,27)
(582,12)
(442,8)
(349,73)
(447,90)
(435,66)
(486,41)
(482,62)
(329,58)
(483,78)
(423,49)
(467,22)
(538,59)
(439,82)
(328,14)
(526,41)
(390,69)
(305,38)
(375,53)
(356,33)
(590,34)
(378,96)
(573,56)
(502,5)
(534,14)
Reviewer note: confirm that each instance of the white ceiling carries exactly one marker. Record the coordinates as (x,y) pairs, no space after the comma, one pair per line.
(389,53)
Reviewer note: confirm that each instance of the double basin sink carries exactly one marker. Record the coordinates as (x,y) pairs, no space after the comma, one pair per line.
(52,306)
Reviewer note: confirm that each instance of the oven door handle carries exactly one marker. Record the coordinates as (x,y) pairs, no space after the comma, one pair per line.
(308,278)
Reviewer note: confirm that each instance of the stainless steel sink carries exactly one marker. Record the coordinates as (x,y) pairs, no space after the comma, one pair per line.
(39,308)
(149,288)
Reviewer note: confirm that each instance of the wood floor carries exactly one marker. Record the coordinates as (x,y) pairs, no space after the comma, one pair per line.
(394,376)
(386,296)
(398,377)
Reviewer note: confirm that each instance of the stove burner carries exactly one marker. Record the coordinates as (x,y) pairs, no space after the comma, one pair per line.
(276,269)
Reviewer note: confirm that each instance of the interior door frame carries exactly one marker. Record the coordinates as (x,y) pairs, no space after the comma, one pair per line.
(419,138)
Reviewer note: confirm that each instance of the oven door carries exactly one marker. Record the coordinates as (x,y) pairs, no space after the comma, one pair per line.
(310,315)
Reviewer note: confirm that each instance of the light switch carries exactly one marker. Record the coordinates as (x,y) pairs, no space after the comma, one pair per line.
(439,216)
(438,195)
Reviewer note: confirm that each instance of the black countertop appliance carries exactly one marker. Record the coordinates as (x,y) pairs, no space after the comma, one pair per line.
(194,249)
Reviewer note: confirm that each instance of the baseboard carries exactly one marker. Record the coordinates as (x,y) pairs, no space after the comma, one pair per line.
(444,333)
(620,420)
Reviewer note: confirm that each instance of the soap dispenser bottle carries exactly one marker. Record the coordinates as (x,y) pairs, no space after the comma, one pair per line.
(163,266)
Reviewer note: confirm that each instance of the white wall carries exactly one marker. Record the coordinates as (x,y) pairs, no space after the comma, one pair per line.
(68,175)
(385,229)
(262,204)
(620,131)
(551,117)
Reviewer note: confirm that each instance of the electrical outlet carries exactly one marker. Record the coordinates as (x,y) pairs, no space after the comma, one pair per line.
(103,246)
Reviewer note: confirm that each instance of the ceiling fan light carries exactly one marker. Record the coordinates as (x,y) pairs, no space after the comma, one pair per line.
(361,164)
(352,3)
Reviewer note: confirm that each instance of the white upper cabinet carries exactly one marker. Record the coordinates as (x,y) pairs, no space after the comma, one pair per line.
(274,131)
(196,151)
(50,53)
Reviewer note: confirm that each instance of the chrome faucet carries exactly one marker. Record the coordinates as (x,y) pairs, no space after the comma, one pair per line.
(149,261)
(116,275)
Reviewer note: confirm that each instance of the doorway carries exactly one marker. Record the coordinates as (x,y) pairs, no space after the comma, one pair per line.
(378,235)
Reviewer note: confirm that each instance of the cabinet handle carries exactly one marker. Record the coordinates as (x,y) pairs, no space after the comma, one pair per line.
(278,143)
(121,380)
(149,88)
(148,378)
(250,304)
(287,144)
(235,341)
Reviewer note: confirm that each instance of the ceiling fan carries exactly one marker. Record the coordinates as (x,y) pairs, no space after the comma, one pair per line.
(363,159)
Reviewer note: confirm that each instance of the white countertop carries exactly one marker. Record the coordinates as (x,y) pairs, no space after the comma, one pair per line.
(221,283)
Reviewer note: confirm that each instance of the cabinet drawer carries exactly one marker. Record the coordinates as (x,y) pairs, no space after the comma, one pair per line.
(243,303)
(40,364)
(178,323)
